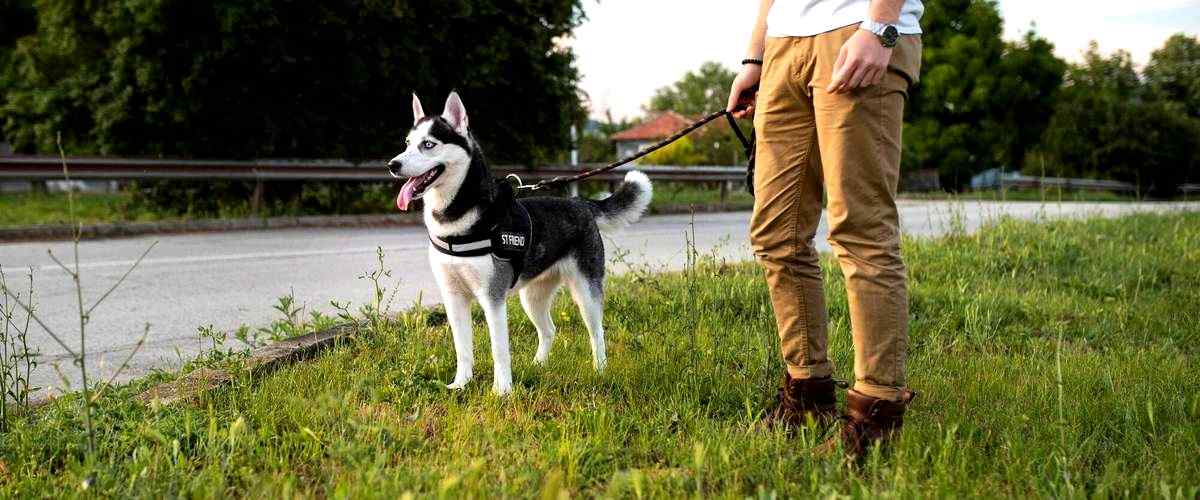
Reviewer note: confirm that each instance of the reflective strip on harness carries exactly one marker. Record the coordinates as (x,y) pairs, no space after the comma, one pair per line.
(506,235)
(473,247)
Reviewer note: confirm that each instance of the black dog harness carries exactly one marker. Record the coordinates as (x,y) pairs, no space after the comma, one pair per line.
(504,231)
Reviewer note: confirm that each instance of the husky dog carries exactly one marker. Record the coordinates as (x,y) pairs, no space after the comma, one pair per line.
(446,168)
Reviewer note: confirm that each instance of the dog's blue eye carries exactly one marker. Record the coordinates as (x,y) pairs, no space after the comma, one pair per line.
(428,145)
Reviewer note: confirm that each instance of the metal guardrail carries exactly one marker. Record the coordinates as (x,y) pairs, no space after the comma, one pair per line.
(1069,184)
(49,168)
(1017,180)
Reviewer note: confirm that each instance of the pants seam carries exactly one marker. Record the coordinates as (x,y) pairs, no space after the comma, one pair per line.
(797,210)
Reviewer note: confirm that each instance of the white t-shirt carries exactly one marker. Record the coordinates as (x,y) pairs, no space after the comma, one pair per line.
(813,17)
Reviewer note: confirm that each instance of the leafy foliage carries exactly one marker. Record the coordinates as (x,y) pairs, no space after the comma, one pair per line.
(262,78)
(1174,72)
(680,153)
(697,93)
(1107,123)
(951,125)
(982,102)
(1029,79)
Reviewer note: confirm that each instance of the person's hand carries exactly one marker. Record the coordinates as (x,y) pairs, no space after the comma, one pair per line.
(744,90)
(862,62)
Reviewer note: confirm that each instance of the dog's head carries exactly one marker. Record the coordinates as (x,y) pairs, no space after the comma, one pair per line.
(437,156)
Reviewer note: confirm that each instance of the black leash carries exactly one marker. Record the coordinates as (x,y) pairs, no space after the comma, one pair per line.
(748,144)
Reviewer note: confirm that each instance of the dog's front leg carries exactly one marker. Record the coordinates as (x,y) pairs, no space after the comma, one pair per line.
(458,314)
(496,312)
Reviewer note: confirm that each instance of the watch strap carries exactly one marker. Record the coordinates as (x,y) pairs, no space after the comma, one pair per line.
(887,33)
(874,26)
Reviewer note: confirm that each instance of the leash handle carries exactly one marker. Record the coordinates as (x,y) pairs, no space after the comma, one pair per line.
(746,144)
(746,98)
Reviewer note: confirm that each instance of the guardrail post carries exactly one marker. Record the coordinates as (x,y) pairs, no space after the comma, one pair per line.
(724,191)
(256,198)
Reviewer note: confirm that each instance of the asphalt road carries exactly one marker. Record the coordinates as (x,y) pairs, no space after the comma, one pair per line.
(232,279)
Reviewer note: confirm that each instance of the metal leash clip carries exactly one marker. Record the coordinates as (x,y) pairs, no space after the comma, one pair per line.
(521,184)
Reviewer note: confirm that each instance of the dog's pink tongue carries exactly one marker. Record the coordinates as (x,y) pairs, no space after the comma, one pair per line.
(406,193)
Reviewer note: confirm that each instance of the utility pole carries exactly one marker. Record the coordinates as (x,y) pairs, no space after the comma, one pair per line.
(574,186)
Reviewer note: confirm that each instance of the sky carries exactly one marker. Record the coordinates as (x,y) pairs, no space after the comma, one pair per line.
(628,48)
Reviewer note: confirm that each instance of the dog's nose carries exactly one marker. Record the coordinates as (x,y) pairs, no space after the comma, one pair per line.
(394,167)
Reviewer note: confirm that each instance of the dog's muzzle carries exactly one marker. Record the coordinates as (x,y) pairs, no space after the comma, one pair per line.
(394,167)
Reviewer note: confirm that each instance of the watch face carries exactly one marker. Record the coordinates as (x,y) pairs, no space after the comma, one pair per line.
(890,36)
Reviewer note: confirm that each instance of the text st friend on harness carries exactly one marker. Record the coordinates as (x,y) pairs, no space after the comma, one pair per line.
(505,233)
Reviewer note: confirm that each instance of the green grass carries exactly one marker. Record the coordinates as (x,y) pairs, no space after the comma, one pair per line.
(1048,195)
(51,208)
(1055,359)
(680,195)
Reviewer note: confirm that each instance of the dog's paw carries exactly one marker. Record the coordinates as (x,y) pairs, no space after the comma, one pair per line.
(457,385)
(541,358)
(502,389)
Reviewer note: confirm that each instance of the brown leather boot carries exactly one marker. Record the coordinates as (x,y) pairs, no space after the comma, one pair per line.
(870,421)
(801,398)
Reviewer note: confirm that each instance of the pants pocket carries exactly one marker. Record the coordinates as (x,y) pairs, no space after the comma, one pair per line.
(906,63)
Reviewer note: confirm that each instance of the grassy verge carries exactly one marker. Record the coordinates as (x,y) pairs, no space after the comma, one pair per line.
(667,194)
(51,208)
(1048,195)
(1053,360)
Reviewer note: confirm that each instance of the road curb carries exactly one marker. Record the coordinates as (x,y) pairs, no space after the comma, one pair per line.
(53,232)
(49,232)
(261,361)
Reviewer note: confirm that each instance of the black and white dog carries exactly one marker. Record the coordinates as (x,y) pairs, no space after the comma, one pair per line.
(484,244)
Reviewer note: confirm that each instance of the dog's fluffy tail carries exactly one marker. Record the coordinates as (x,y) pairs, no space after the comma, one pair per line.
(625,206)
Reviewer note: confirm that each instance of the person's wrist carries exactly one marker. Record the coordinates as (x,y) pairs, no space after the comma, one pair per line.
(887,33)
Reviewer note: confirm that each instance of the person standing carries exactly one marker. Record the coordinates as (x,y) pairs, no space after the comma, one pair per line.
(832,78)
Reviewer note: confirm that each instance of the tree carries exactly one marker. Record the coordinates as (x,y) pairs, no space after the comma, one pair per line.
(1095,95)
(1153,144)
(1107,124)
(952,124)
(1030,76)
(1174,72)
(697,93)
(17,19)
(679,153)
(268,78)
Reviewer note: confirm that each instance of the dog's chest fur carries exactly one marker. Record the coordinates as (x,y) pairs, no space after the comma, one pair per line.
(471,275)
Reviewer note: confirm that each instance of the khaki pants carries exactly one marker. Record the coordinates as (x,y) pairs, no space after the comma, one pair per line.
(847,147)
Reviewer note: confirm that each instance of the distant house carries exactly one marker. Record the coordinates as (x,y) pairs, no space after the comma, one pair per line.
(655,129)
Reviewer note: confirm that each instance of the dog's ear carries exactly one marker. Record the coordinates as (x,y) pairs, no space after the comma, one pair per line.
(418,111)
(456,113)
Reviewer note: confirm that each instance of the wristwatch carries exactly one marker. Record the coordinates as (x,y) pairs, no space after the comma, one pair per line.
(887,33)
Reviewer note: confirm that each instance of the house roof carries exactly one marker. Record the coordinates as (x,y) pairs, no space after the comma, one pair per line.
(659,127)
